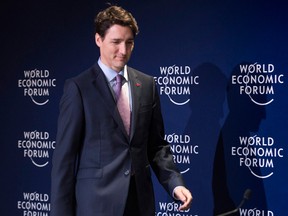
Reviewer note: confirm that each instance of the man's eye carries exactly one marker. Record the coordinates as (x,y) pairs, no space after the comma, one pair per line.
(129,43)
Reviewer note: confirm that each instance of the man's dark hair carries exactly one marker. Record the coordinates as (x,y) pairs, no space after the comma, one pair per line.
(114,15)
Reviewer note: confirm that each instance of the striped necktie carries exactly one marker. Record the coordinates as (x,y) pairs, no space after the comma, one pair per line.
(122,98)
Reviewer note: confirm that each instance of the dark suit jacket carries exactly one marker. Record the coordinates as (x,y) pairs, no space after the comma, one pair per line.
(94,155)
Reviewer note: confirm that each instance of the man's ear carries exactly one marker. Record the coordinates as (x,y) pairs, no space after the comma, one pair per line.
(98,40)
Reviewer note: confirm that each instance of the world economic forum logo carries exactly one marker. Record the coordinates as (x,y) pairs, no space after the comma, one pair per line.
(175,82)
(34,203)
(37,145)
(182,149)
(256,152)
(256,79)
(36,84)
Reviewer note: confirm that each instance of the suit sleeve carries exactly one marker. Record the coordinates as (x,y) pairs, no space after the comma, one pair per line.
(68,140)
(160,155)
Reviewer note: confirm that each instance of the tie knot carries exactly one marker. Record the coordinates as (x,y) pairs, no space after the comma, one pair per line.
(119,78)
(118,85)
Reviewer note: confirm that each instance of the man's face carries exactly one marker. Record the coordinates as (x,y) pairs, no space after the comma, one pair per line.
(116,47)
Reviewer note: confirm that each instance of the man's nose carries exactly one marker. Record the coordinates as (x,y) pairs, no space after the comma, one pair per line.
(123,49)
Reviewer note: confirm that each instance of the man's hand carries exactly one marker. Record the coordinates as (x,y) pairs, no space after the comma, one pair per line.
(183,194)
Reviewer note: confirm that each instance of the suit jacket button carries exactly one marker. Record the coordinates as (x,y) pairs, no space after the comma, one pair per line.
(127,172)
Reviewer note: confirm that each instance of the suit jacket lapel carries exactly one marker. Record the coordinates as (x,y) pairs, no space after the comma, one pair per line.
(135,86)
(106,96)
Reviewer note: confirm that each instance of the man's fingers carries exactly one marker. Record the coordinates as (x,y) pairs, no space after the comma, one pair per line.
(185,197)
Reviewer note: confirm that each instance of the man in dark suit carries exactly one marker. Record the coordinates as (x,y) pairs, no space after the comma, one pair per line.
(101,164)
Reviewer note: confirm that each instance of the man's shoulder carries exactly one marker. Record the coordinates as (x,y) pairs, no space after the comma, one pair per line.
(139,73)
(88,74)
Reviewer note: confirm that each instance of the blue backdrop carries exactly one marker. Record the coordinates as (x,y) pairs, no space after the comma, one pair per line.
(221,71)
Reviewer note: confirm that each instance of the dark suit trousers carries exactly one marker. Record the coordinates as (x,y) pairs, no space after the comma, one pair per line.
(132,207)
